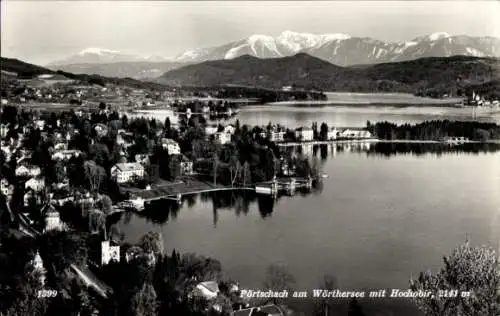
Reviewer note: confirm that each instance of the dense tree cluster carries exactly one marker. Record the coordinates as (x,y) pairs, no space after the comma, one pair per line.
(473,271)
(435,130)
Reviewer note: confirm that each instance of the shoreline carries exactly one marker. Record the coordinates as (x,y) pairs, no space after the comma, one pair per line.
(333,103)
(376,140)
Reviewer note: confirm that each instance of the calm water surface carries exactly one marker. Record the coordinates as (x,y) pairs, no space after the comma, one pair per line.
(356,116)
(346,116)
(377,221)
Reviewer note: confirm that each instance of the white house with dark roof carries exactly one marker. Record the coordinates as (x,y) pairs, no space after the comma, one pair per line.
(171,146)
(36,184)
(184,163)
(66,154)
(28,170)
(352,133)
(208,290)
(276,135)
(52,219)
(109,253)
(126,172)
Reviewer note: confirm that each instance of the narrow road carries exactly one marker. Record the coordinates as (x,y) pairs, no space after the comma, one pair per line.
(91,280)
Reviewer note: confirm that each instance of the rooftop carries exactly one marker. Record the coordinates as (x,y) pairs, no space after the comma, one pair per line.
(168,141)
(129,166)
(210,285)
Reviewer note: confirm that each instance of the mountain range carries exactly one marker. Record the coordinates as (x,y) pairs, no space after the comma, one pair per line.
(338,49)
(344,50)
(101,56)
(15,69)
(141,70)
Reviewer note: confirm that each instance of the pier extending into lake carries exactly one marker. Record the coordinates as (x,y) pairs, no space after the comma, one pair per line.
(179,195)
(174,191)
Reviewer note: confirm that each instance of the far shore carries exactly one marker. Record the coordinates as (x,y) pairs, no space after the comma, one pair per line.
(373,99)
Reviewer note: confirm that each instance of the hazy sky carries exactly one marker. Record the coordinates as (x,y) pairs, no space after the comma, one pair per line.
(44,31)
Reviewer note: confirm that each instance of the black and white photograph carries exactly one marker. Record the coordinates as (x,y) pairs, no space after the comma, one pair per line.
(250,158)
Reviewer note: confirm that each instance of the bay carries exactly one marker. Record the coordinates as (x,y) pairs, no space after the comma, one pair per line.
(383,214)
(381,218)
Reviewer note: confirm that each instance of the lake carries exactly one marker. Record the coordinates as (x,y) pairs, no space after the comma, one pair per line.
(303,114)
(356,116)
(383,214)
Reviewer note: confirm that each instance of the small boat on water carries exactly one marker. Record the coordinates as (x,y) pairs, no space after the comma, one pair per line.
(324,176)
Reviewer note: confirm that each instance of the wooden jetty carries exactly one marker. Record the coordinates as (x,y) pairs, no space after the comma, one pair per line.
(288,185)
(179,195)
(139,203)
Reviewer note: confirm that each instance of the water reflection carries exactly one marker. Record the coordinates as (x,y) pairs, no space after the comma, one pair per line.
(379,203)
(388,149)
(239,202)
(161,211)
(391,149)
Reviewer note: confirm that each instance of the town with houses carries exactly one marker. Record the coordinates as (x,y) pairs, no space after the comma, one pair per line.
(67,170)
(62,168)
(133,184)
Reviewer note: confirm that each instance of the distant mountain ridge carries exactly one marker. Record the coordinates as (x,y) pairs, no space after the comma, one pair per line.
(336,48)
(101,56)
(125,69)
(14,69)
(443,74)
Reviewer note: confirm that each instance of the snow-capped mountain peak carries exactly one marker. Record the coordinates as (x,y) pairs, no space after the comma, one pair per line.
(337,48)
(438,36)
(97,51)
(191,54)
(260,43)
(299,41)
(295,42)
(259,38)
(95,55)
(344,50)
